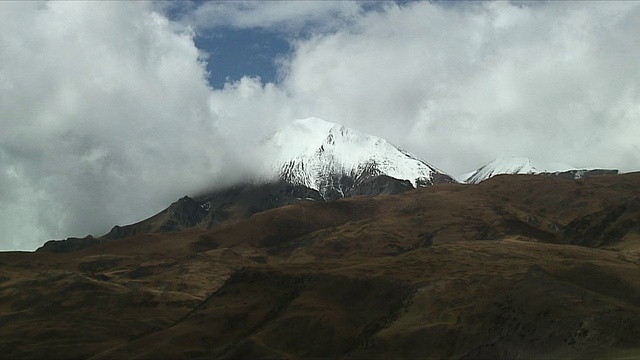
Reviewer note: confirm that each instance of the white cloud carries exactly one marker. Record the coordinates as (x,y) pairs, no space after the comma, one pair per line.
(277,16)
(101,103)
(462,84)
(106,102)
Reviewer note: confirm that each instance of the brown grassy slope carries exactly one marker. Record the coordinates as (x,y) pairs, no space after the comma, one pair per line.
(500,299)
(448,271)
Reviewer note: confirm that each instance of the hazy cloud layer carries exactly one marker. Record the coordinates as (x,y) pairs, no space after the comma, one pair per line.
(276,16)
(107,115)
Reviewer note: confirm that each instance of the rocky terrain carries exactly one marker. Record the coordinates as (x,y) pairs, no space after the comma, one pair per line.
(518,266)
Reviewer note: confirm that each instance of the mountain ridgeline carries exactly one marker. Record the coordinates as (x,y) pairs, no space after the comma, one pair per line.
(316,160)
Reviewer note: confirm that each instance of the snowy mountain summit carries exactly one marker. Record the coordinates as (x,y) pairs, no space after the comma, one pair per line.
(501,165)
(334,159)
(522,165)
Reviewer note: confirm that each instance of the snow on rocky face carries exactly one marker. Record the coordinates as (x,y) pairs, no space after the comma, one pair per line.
(323,155)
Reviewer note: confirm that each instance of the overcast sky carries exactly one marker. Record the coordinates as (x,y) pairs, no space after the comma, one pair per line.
(109,111)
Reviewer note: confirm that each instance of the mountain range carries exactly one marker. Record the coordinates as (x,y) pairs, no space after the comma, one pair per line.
(316,160)
(353,249)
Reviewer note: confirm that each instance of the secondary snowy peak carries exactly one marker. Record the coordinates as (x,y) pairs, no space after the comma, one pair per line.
(501,165)
(323,156)
(520,165)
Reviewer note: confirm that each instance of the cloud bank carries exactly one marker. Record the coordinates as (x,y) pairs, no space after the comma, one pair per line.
(107,115)
(105,118)
(292,17)
(462,84)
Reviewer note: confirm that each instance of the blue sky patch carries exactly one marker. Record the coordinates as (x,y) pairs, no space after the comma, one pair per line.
(234,53)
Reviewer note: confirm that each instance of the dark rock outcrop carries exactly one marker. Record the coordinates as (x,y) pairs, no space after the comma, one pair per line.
(180,215)
(381,185)
(69,245)
(340,187)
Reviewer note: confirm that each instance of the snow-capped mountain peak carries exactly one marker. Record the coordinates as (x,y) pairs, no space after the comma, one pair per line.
(501,165)
(521,165)
(320,155)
